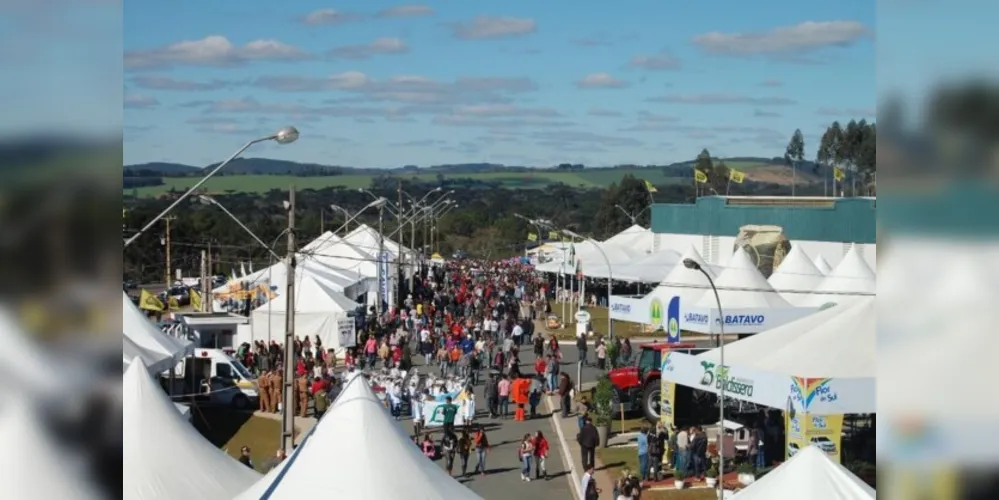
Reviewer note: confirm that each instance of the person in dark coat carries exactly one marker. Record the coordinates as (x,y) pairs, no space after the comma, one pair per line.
(588,440)
(699,453)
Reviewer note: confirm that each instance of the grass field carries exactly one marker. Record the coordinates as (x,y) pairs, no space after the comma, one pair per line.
(231,430)
(598,318)
(537,179)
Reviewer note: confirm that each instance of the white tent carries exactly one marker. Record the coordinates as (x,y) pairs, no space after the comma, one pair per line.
(796,276)
(163,456)
(34,466)
(687,284)
(808,474)
(357,421)
(635,237)
(742,286)
(652,268)
(852,278)
(143,333)
(822,265)
(838,342)
(591,257)
(25,365)
(156,362)
(367,239)
(317,309)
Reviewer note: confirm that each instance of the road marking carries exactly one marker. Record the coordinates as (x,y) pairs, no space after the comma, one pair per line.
(567,462)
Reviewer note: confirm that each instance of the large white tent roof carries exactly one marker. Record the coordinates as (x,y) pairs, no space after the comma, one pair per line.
(25,365)
(742,286)
(311,295)
(851,279)
(822,264)
(635,237)
(837,342)
(358,422)
(795,276)
(156,362)
(367,238)
(591,255)
(137,328)
(687,284)
(163,456)
(349,282)
(808,474)
(652,268)
(34,466)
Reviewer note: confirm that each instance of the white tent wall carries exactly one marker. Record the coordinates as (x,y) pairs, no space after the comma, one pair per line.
(796,277)
(850,279)
(317,309)
(137,328)
(163,456)
(156,362)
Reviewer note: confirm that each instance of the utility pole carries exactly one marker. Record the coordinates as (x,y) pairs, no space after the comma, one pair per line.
(398,256)
(288,399)
(382,263)
(204,278)
(166,243)
(211,268)
(412,249)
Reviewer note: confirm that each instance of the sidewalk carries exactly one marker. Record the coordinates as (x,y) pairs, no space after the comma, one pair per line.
(566,428)
(302,424)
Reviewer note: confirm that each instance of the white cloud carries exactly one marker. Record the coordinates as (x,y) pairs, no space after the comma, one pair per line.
(325,17)
(610,113)
(365,51)
(600,81)
(799,39)
(658,62)
(138,101)
(158,82)
(723,99)
(411,10)
(848,112)
(771,83)
(214,50)
(486,27)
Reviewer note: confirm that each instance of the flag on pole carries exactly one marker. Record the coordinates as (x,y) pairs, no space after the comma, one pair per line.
(700,177)
(650,187)
(173,303)
(839,174)
(736,176)
(195,299)
(532,237)
(552,235)
(150,302)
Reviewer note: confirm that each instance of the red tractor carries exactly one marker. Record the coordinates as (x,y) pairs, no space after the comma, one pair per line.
(638,385)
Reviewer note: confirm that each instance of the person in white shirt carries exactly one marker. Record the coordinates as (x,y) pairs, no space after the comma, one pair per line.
(518,333)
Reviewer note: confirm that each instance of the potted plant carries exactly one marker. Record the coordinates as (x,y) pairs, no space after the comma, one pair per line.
(712,477)
(678,478)
(603,399)
(613,353)
(747,474)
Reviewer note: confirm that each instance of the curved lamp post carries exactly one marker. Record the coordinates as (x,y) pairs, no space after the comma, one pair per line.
(694,265)
(286,135)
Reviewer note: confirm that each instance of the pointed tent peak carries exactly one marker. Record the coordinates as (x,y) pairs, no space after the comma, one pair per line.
(797,262)
(810,473)
(822,265)
(356,388)
(853,266)
(740,260)
(138,366)
(692,254)
(318,242)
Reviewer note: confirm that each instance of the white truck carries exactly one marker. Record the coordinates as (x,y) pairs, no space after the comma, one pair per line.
(216,378)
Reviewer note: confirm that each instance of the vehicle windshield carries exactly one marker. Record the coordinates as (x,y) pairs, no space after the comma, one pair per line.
(648,359)
(240,369)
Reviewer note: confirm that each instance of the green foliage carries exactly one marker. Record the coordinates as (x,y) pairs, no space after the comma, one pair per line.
(603,398)
(713,471)
(612,353)
(679,474)
(746,468)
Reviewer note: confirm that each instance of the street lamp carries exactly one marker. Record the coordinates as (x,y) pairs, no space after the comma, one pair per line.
(695,266)
(286,135)
(610,279)
(627,214)
(208,200)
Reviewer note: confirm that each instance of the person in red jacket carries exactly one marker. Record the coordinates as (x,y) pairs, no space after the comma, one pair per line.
(300,368)
(540,454)
(539,367)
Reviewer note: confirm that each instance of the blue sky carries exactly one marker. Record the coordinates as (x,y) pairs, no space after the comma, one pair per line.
(530,83)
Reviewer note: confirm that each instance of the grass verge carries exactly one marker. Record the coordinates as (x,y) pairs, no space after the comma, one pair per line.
(230,430)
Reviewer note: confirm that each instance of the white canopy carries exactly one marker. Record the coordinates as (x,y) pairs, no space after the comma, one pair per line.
(652,268)
(163,456)
(687,284)
(366,238)
(143,333)
(321,468)
(591,259)
(822,265)
(851,279)
(837,342)
(795,276)
(25,365)
(317,309)
(34,466)
(742,286)
(808,474)
(156,362)
(635,237)
(348,282)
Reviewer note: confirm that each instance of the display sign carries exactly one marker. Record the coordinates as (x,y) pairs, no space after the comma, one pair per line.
(433,414)
(822,431)
(383,278)
(673,321)
(346,332)
(582,317)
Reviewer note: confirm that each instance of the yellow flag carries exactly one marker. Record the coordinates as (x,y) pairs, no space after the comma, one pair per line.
(532,237)
(651,188)
(173,303)
(195,299)
(736,176)
(150,302)
(700,177)
(839,174)
(552,235)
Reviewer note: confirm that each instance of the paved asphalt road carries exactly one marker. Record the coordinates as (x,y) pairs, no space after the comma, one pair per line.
(503,481)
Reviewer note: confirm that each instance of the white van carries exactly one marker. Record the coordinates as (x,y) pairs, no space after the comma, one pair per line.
(225,378)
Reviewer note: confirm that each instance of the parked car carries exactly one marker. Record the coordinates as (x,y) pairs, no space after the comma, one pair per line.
(825,444)
(792,448)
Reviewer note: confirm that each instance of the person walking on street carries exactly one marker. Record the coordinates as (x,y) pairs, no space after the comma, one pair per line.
(540,456)
(643,453)
(601,355)
(464,450)
(565,394)
(526,454)
(588,485)
(582,347)
(449,448)
(588,440)
(481,444)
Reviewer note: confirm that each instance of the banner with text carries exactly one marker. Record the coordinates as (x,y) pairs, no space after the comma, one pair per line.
(673,316)
(433,414)
(345,329)
(384,277)
(804,430)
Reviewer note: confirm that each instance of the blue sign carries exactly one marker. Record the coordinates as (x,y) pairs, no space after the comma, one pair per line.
(696,319)
(673,321)
(383,281)
(618,307)
(745,319)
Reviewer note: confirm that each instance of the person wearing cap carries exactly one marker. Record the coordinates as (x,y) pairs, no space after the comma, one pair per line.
(244,457)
